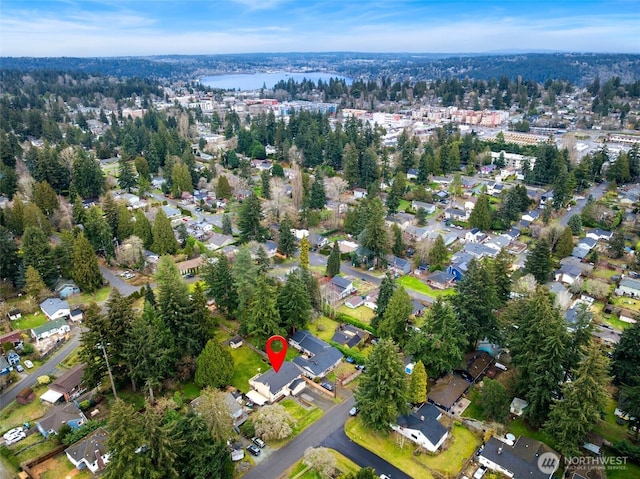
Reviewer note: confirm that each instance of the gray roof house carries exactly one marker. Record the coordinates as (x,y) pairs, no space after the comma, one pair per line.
(519,460)
(319,357)
(629,287)
(58,326)
(273,386)
(399,265)
(55,308)
(343,286)
(68,414)
(90,452)
(568,274)
(423,427)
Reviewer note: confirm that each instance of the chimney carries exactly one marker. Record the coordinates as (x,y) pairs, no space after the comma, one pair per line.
(500,450)
(99,460)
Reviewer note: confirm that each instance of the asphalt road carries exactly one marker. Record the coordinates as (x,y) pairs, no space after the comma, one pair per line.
(47,368)
(115,281)
(596,192)
(339,441)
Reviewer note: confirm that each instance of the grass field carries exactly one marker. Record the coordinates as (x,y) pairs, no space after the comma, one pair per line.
(519,427)
(16,414)
(448,463)
(28,321)
(323,328)
(247,362)
(411,282)
(362,313)
(300,471)
(99,296)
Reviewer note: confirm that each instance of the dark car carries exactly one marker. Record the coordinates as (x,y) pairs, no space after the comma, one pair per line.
(253,449)
(327,386)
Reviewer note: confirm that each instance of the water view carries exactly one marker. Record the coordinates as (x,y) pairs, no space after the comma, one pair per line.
(255,81)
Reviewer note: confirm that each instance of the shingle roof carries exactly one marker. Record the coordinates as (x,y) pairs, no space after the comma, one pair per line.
(285,375)
(86,448)
(308,342)
(521,459)
(340,282)
(425,420)
(318,364)
(69,380)
(60,416)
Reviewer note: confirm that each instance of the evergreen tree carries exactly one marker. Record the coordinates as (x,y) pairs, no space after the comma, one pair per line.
(495,400)
(626,357)
(317,196)
(440,344)
(396,193)
(375,232)
(564,247)
(221,287)
(423,170)
(245,274)
(34,286)
(99,232)
(501,272)
(421,216)
(438,254)
(265,181)
(223,188)
(262,319)
(164,241)
(286,238)
(575,223)
(87,179)
(475,302)
(33,217)
(481,216)
(396,316)
(304,252)
(126,177)
(86,272)
(538,262)
(215,366)
(181,181)
(333,262)
(9,260)
(263,262)
(583,401)
(398,244)
(249,218)
(382,393)
(142,228)
(125,223)
(45,198)
(616,244)
(78,211)
(387,287)
(227,229)
(36,252)
(313,289)
(418,384)
(126,436)
(294,304)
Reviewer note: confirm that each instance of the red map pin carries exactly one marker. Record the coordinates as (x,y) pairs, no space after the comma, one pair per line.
(276,357)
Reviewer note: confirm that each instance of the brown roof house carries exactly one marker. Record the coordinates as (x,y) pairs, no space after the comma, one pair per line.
(69,385)
(448,390)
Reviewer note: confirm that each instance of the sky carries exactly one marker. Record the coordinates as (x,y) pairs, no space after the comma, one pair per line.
(87,28)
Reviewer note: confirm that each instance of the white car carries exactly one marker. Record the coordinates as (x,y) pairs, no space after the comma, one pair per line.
(13,431)
(28,364)
(18,436)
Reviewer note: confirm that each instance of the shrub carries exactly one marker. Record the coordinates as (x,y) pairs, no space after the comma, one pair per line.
(247,429)
(28,348)
(42,380)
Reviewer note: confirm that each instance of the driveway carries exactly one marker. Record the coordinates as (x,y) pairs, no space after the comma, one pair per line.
(596,192)
(339,441)
(115,281)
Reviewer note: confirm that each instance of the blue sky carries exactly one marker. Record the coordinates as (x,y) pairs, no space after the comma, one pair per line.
(151,27)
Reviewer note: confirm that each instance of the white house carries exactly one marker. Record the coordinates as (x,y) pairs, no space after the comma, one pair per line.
(55,308)
(629,287)
(423,427)
(90,452)
(272,386)
(50,328)
(359,193)
(517,459)
(343,286)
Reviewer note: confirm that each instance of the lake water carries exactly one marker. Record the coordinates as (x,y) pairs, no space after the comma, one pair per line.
(255,81)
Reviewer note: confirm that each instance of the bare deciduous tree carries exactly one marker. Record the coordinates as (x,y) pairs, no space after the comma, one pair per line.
(525,285)
(552,234)
(321,460)
(130,251)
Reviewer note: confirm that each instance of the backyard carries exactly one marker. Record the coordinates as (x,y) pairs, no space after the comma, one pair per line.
(362,313)
(247,363)
(411,282)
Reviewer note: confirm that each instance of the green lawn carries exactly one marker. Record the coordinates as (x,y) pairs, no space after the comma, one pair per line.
(623,471)
(474,410)
(411,282)
(59,466)
(632,304)
(519,427)
(99,296)
(29,321)
(190,391)
(608,427)
(323,328)
(303,417)
(247,362)
(16,414)
(404,205)
(462,444)
(361,313)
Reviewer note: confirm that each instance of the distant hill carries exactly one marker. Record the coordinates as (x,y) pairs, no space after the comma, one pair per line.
(578,68)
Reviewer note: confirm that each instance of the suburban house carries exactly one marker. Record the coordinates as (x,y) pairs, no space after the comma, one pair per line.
(359,193)
(14,314)
(512,233)
(453,214)
(531,216)
(171,212)
(317,241)
(441,280)
(475,236)
(191,266)
(69,385)
(517,460)
(270,247)
(423,427)
(498,242)
(237,413)
(430,208)
(628,287)
(399,265)
(447,391)
(51,328)
(54,308)
(14,338)
(65,288)
(343,286)
(218,240)
(417,233)
(417,308)
(371,299)
(349,336)
(479,251)
(459,264)
(476,364)
(69,414)
(412,174)
(599,234)
(319,358)
(568,274)
(354,302)
(90,452)
(271,386)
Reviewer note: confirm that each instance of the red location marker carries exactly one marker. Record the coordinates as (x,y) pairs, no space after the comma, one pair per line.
(276,357)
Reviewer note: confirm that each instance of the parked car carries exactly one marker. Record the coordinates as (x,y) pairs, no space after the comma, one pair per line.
(13,432)
(19,368)
(350,360)
(384,476)
(480,472)
(354,411)
(258,442)
(18,436)
(253,449)
(28,364)
(327,386)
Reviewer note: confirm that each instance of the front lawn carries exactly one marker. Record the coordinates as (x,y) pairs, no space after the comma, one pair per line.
(304,417)
(247,363)
(85,298)
(17,414)
(411,282)
(448,463)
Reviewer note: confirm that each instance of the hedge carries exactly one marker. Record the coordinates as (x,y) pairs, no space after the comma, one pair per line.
(345,318)
(355,354)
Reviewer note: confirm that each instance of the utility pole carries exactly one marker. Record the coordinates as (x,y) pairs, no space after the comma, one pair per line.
(106,359)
